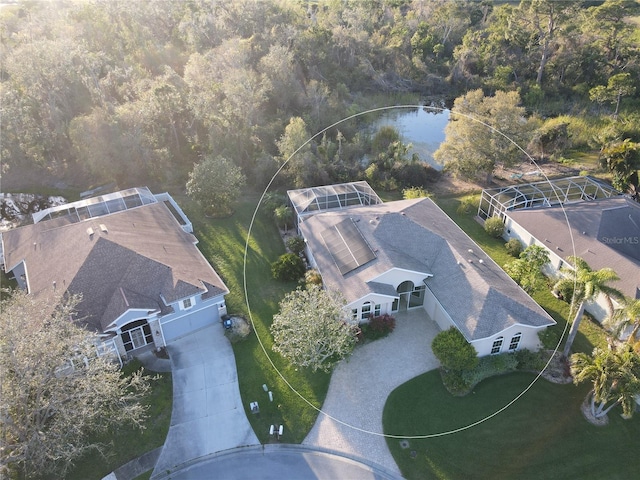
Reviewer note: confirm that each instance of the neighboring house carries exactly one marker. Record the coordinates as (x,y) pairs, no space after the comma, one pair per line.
(132,257)
(604,232)
(389,257)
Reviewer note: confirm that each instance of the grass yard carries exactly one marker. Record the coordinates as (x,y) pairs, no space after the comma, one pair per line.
(127,443)
(223,241)
(542,435)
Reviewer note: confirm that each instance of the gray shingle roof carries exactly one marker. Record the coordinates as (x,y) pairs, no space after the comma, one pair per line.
(143,256)
(605,233)
(417,235)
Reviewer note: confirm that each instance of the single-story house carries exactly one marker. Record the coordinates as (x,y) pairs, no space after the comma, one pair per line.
(604,232)
(389,257)
(133,259)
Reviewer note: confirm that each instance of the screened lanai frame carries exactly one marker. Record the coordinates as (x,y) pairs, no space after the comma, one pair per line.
(497,201)
(99,206)
(307,201)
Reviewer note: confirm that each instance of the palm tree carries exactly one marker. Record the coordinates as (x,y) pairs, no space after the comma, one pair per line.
(586,285)
(623,318)
(615,375)
(283,216)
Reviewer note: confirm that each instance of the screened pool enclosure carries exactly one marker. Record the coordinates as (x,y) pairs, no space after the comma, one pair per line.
(497,201)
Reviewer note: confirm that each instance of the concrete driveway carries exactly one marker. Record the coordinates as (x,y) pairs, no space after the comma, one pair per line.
(360,386)
(208,415)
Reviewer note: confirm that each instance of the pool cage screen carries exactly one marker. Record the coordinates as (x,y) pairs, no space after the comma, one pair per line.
(307,201)
(497,201)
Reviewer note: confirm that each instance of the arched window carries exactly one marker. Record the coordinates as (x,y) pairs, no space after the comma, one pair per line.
(497,345)
(515,341)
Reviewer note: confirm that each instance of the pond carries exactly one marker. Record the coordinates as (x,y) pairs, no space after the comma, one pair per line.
(422,127)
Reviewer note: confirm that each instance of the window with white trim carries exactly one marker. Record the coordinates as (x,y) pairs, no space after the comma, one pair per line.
(366,311)
(515,341)
(377,309)
(187,303)
(497,345)
(354,314)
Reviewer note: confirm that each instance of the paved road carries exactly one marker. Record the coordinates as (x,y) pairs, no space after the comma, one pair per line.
(278,462)
(207,415)
(360,386)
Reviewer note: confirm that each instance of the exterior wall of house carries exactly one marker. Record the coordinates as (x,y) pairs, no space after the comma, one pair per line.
(599,309)
(384,303)
(436,311)
(528,339)
(202,313)
(117,341)
(20,274)
(156,331)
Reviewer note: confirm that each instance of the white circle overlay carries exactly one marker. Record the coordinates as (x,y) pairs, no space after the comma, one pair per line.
(246,293)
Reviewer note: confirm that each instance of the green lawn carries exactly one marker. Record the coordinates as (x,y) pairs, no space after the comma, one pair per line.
(542,435)
(223,242)
(127,443)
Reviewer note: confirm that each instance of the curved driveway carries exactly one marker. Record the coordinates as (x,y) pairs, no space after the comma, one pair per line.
(360,386)
(207,415)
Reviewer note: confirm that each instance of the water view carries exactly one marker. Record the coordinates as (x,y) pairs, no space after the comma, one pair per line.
(423,128)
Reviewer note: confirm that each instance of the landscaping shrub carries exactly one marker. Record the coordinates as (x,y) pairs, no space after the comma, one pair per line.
(494,226)
(490,366)
(468,205)
(513,247)
(380,326)
(296,245)
(454,382)
(529,360)
(288,267)
(549,337)
(453,351)
(312,277)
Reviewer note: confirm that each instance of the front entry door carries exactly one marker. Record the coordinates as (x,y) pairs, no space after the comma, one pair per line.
(137,334)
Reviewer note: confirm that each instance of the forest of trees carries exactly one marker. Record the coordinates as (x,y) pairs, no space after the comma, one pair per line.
(139,91)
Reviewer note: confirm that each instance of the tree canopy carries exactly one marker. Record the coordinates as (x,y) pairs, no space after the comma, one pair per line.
(483,132)
(215,183)
(580,283)
(527,269)
(312,328)
(140,91)
(57,393)
(615,375)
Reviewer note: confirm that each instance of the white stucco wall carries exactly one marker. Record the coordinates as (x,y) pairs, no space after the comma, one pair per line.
(385,302)
(528,340)
(436,311)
